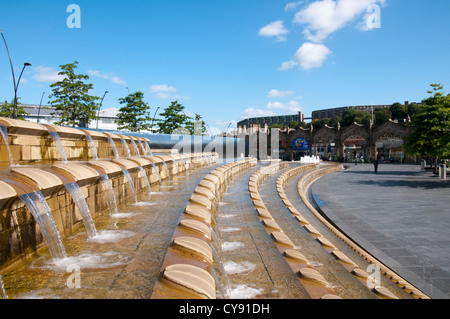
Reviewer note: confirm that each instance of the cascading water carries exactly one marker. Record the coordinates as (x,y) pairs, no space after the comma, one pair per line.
(4,132)
(144,176)
(92,146)
(149,149)
(80,201)
(130,181)
(184,163)
(157,173)
(135,148)
(3,294)
(225,287)
(38,207)
(110,196)
(126,147)
(167,170)
(142,147)
(57,140)
(113,145)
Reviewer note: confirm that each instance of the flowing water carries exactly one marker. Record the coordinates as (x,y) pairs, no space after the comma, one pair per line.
(80,201)
(57,140)
(157,173)
(4,132)
(110,197)
(122,262)
(145,178)
(38,207)
(130,181)
(3,294)
(149,149)
(113,145)
(92,146)
(135,148)
(125,145)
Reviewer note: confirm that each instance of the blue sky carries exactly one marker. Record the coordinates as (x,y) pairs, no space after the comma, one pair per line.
(227,60)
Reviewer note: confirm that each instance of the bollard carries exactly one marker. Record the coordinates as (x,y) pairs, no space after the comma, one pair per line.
(443,172)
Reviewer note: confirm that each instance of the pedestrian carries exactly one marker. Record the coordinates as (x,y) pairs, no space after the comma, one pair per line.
(375,165)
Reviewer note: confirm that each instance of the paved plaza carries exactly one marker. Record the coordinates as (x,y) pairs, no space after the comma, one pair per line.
(400,215)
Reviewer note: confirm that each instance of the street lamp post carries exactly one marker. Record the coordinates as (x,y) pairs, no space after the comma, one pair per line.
(16,88)
(40,105)
(153,119)
(101,103)
(16,85)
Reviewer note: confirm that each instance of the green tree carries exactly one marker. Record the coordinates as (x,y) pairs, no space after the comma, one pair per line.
(134,115)
(430,123)
(7,110)
(294,124)
(174,118)
(351,115)
(399,111)
(72,101)
(381,115)
(196,127)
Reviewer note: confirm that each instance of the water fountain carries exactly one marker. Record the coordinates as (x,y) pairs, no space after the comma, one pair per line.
(92,146)
(135,147)
(80,201)
(38,207)
(114,148)
(57,140)
(4,133)
(3,294)
(110,197)
(126,147)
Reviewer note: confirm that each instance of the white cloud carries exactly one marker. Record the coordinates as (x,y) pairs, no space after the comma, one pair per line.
(291,107)
(324,17)
(293,5)
(162,91)
(308,56)
(112,78)
(46,74)
(252,112)
(274,29)
(277,94)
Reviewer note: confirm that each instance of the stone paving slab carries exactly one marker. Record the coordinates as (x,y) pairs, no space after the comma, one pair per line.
(400,215)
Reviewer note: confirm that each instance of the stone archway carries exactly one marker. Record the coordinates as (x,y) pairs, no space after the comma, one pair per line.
(291,138)
(356,140)
(326,143)
(389,142)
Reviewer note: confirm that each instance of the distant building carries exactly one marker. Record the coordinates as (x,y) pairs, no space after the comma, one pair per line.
(262,122)
(339,111)
(43,116)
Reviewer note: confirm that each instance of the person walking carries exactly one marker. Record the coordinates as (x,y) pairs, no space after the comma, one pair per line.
(375,165)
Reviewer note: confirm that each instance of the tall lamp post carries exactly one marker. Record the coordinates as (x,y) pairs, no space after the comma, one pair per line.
(16,85)
(40,105)
(153,119)
(101,103)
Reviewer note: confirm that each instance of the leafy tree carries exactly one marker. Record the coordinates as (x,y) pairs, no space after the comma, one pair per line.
(294,124)
(381,115)
(72,101)
(399,111)
(173,118)
(7,110)
(198,127)
(431,132)
(351,115)
(134,115)
(277,125)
